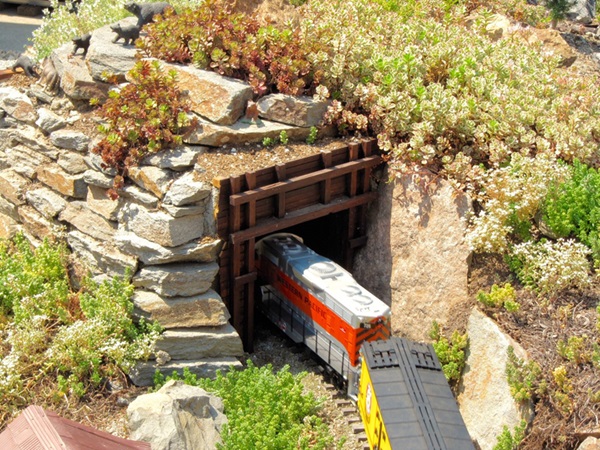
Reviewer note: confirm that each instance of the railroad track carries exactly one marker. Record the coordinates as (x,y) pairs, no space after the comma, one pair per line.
(347,407)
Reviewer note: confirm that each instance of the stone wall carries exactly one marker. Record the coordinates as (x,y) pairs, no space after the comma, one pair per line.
(161,229)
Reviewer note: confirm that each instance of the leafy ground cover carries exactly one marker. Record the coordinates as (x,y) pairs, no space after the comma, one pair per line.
(499,118)
(59,344)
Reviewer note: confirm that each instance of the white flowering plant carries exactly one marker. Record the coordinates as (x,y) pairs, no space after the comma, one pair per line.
(548,266)
(72,340)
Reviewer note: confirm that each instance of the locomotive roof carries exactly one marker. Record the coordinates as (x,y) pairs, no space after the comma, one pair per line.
(324,275)
(416,404)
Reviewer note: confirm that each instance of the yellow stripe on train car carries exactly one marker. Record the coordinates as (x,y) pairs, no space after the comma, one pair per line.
(369,411)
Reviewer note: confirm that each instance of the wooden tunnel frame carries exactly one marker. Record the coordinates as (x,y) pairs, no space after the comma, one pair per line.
(256,204)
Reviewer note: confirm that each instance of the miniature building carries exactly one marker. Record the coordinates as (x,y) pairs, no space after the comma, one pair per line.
(38,429)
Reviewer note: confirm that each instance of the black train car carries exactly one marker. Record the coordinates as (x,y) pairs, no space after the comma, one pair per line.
(405,401)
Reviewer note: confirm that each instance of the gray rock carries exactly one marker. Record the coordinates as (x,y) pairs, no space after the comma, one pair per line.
(8,227)
(484,386)
(219,99)
(99,179)
(151,253)
(152,179)
(46,201)
(25,161)
(38,225)
(54,176)
(29,137)
(88,222)
(49,121)
(70,140)
(17,105)
(181,211)
(101,258)
(72,162)
(140,196)
(160,227)
(174,280)
(75,78)
(143,372)
(198,343)
(187,189)
(94,161)
(205,310)
(38,92)
(99,202)
(300,111)
(241,132)
(13,186)
(421,269)
(177,417)
(180,158)
(106,57)
(8,209)
(582,11)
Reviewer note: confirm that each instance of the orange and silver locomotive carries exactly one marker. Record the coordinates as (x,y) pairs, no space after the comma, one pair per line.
(317,302)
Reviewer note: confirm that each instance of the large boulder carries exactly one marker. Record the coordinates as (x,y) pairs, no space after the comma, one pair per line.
(217,98)
(299,111)
(177,417)
(416,259)
(484,386)
(105,57)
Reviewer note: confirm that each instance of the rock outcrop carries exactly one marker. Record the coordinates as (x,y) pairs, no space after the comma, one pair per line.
(177,417)
(484,386)
(416,259)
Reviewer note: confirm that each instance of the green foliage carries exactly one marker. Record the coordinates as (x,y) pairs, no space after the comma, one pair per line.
(510,441)
(450,352)
(268,142)
(283,137)
(524,378)
(312,136)
(265,410)
(148,115)
(572,208)
(33,282)
(558,9)
(70,341)
(575,349)
(270,58)
(499,297)
(547,267)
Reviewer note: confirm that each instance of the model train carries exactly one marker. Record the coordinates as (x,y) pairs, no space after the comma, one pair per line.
(402,395)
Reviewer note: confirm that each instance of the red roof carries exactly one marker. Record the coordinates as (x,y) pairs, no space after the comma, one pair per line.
(38,429)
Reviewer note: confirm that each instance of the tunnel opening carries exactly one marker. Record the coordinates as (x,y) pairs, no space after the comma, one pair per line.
(321,198)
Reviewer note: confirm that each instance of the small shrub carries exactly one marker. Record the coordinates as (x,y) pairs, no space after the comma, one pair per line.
(550,266)
(574,349)
(265,409)
(499,297)
(572,208)
(148,115)
(511,441)
(70,340)
(450,352)
(270,58)
(312,136)
(269,142)
(524,378)
(283,137)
